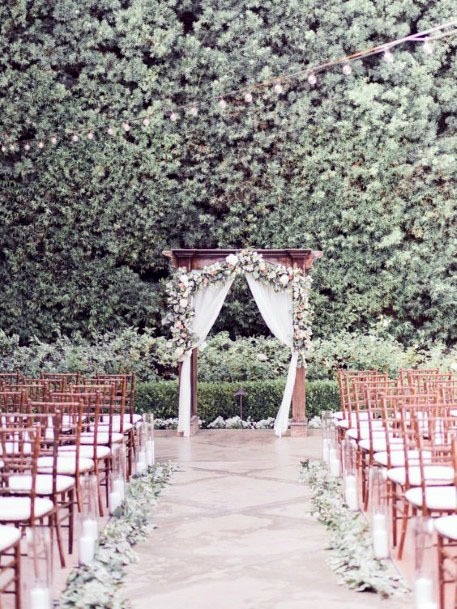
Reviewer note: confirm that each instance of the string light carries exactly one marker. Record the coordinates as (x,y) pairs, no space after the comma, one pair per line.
(41,145)
(425,37)
(53,140)
(388,56)
(278,88)
(312,79)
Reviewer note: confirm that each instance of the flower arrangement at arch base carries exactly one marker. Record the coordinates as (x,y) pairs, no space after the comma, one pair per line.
(184,284)
(98,584)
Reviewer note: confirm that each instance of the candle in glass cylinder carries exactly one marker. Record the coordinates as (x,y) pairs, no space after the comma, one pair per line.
(40,598)
(423,592)
(114,501)
(350,492)
(119,487)
(150,455)
(86,549)
(90,528)
(334,463)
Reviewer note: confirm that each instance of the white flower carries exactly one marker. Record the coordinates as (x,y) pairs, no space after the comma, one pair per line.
(184,280)
(232,259)
(183,303)
(262,357)
(284,279)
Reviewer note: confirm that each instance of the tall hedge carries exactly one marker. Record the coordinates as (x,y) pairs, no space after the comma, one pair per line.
(362,167)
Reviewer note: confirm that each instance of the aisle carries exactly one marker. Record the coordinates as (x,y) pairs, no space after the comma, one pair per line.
(234,531)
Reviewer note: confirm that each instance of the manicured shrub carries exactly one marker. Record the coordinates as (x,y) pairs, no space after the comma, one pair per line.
(218,399)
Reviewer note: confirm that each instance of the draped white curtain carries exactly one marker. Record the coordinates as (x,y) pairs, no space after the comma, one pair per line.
(277,311)
(207,304)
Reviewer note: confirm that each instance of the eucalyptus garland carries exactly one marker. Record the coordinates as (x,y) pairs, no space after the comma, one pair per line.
(98,585)
(183,285)
(350,539)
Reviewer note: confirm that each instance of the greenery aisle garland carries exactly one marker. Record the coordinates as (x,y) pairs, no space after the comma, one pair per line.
(350,540)
(98,585)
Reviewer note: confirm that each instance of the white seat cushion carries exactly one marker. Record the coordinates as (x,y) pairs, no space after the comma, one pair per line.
(435,475)
(116,426)
(102,438)
(397,456)
(12,448)
(66,465)
(9,535)
(379,443)
(17,509)
(43,483)
(87,451)
(136,418)
(363,429)
(438,498)
(447,526)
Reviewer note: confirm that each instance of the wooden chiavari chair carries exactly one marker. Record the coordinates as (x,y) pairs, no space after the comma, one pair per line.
(10,563)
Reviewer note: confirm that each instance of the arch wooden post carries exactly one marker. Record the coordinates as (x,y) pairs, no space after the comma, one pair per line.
(196,259)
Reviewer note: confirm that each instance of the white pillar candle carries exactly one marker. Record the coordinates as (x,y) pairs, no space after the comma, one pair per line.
(86,549)
(90,528)
(141,464)
(350,493)
(334,463)
(40,598)
(150,453)
(119,487)
(114,501)
(326,445)
(380,544)
(423,592)
(379,522)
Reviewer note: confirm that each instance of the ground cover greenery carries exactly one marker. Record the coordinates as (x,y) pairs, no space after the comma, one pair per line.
(362,167)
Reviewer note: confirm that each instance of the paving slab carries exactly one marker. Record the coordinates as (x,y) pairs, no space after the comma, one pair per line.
(235,531)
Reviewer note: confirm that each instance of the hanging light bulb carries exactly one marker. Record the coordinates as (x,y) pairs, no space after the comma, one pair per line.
(12,147)
(193,111)
(90,135)
(428,46)
(74,138)
(40,145)
(4,148)
(222,103)
(110,131)
(347,70)
(53,140)
(174,117)
(312,79)
(125,127)
(248,98)
(388,57)
(146,122)
(27,146)
(278,88)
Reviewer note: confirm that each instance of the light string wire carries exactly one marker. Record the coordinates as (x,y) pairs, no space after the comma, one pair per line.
(425,37)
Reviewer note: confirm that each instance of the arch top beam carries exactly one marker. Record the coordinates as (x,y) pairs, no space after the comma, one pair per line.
(196,259)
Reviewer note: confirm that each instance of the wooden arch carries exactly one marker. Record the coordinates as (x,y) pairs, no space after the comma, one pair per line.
(197,259)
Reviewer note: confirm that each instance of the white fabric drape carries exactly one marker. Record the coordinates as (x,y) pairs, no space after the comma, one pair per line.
(277,311)
(207,304)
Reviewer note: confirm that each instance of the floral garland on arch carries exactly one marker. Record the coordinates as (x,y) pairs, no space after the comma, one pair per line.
(184,284)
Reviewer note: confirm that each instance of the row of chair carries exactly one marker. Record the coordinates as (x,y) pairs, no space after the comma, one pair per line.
(405,428)
(54,430)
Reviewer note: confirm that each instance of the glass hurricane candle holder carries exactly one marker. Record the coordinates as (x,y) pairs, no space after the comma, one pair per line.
(350,484)
(425,564)
(40,593)
(379,513)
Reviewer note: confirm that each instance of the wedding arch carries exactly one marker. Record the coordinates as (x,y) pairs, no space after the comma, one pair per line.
(279,281)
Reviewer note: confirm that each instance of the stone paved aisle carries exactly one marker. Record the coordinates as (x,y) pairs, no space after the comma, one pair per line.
(234,531)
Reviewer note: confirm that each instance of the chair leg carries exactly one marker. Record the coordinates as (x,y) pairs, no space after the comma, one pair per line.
(71,519)
(56,520)
(404,526)
(17,577)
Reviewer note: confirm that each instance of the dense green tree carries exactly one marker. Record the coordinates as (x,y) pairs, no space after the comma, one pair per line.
(363,167)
